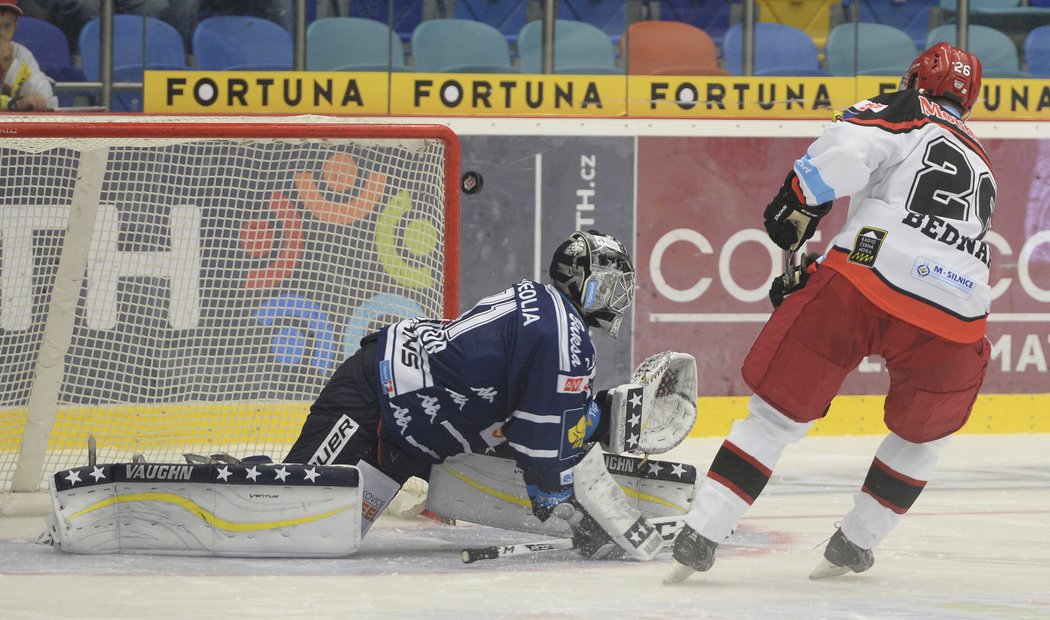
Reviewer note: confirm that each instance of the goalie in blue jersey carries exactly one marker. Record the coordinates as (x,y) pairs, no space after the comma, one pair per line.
(494,409)
(512,377)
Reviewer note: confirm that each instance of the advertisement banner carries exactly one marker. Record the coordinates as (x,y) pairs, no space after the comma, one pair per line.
(265,92)
(511,94)
(705,262)
(484,94)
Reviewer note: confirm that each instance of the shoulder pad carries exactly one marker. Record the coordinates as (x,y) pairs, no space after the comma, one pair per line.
(895,107)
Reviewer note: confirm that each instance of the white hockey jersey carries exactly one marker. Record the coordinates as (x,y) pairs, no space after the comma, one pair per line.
(24,77)
(922,196)
(515,368)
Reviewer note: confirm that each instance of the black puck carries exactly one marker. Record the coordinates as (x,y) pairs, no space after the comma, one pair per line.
(471,182)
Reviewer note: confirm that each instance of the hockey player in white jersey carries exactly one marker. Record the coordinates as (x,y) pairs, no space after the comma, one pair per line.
(905,279)
(512,374)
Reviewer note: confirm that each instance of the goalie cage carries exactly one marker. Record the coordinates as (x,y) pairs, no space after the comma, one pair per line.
(177,285)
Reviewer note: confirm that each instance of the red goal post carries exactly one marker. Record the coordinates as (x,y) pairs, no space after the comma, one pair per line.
(172,285)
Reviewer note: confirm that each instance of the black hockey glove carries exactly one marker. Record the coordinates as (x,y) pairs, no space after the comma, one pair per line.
(590,539)
(785,284)
(789,220)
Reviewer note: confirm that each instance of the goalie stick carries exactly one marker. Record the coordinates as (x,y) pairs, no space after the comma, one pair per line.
(667,526)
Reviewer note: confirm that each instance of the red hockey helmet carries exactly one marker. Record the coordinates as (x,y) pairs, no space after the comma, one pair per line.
(946,71)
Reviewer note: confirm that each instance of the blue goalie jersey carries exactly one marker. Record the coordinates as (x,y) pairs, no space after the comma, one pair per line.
(515,368)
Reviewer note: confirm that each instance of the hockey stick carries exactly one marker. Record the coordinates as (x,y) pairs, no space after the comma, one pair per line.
(667,526)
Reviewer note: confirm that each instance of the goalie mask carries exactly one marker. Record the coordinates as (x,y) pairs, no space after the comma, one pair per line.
(596,273)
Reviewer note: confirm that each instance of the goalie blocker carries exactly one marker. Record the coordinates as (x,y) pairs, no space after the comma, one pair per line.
(243,510)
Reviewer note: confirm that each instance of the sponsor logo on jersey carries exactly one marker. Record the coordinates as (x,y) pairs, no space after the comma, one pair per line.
(158,472)
(401,417)
(386,377)
(430,405)
(866,246)
(573,385)
(566,476)
(942,277)
(336,440)
(577,330)
(487,393)
(870,105)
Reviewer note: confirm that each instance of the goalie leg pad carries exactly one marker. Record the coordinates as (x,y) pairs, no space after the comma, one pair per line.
(602,498)
(251,510)
(488,490)
(379,490)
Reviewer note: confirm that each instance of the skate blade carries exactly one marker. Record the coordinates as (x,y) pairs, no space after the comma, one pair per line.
(677,573)
(827,569)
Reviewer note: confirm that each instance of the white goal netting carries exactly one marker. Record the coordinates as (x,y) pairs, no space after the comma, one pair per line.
(175,286)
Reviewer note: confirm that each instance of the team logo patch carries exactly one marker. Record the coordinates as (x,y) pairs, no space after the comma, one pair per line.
(573,432)
(942,277)
(866,246)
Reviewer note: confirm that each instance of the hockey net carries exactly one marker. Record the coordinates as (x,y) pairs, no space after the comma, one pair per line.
(188,285)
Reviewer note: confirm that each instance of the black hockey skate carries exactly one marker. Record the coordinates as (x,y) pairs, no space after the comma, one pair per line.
(841,556)
(692,553)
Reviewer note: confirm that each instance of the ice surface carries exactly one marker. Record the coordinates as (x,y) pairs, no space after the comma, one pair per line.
(976,545)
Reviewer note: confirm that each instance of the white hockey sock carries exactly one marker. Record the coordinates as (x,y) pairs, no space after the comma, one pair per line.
(761,437)
(874,513)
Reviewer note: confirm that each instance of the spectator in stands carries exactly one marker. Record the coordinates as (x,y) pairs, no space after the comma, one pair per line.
(24,86)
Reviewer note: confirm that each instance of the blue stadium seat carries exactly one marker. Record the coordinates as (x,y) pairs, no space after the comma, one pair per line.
(403,16)
(911,16)
(862,48)
(353,44)
(1007,16)
(997,52)
(779,50)
(244,43)
(507,16)
(50,47)
(1037,52)
(163,50)
(610,16)
(579,48)
(460,46)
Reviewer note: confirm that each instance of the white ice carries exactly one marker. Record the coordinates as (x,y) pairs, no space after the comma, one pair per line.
(976,545)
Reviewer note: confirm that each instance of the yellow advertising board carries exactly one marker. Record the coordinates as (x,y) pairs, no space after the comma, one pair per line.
(265,92)
(507,94)
(488,94)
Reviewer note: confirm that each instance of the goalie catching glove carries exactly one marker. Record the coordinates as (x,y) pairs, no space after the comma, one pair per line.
(657,409)
(790,222)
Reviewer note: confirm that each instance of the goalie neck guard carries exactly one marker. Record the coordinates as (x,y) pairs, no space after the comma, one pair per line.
(596,273)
